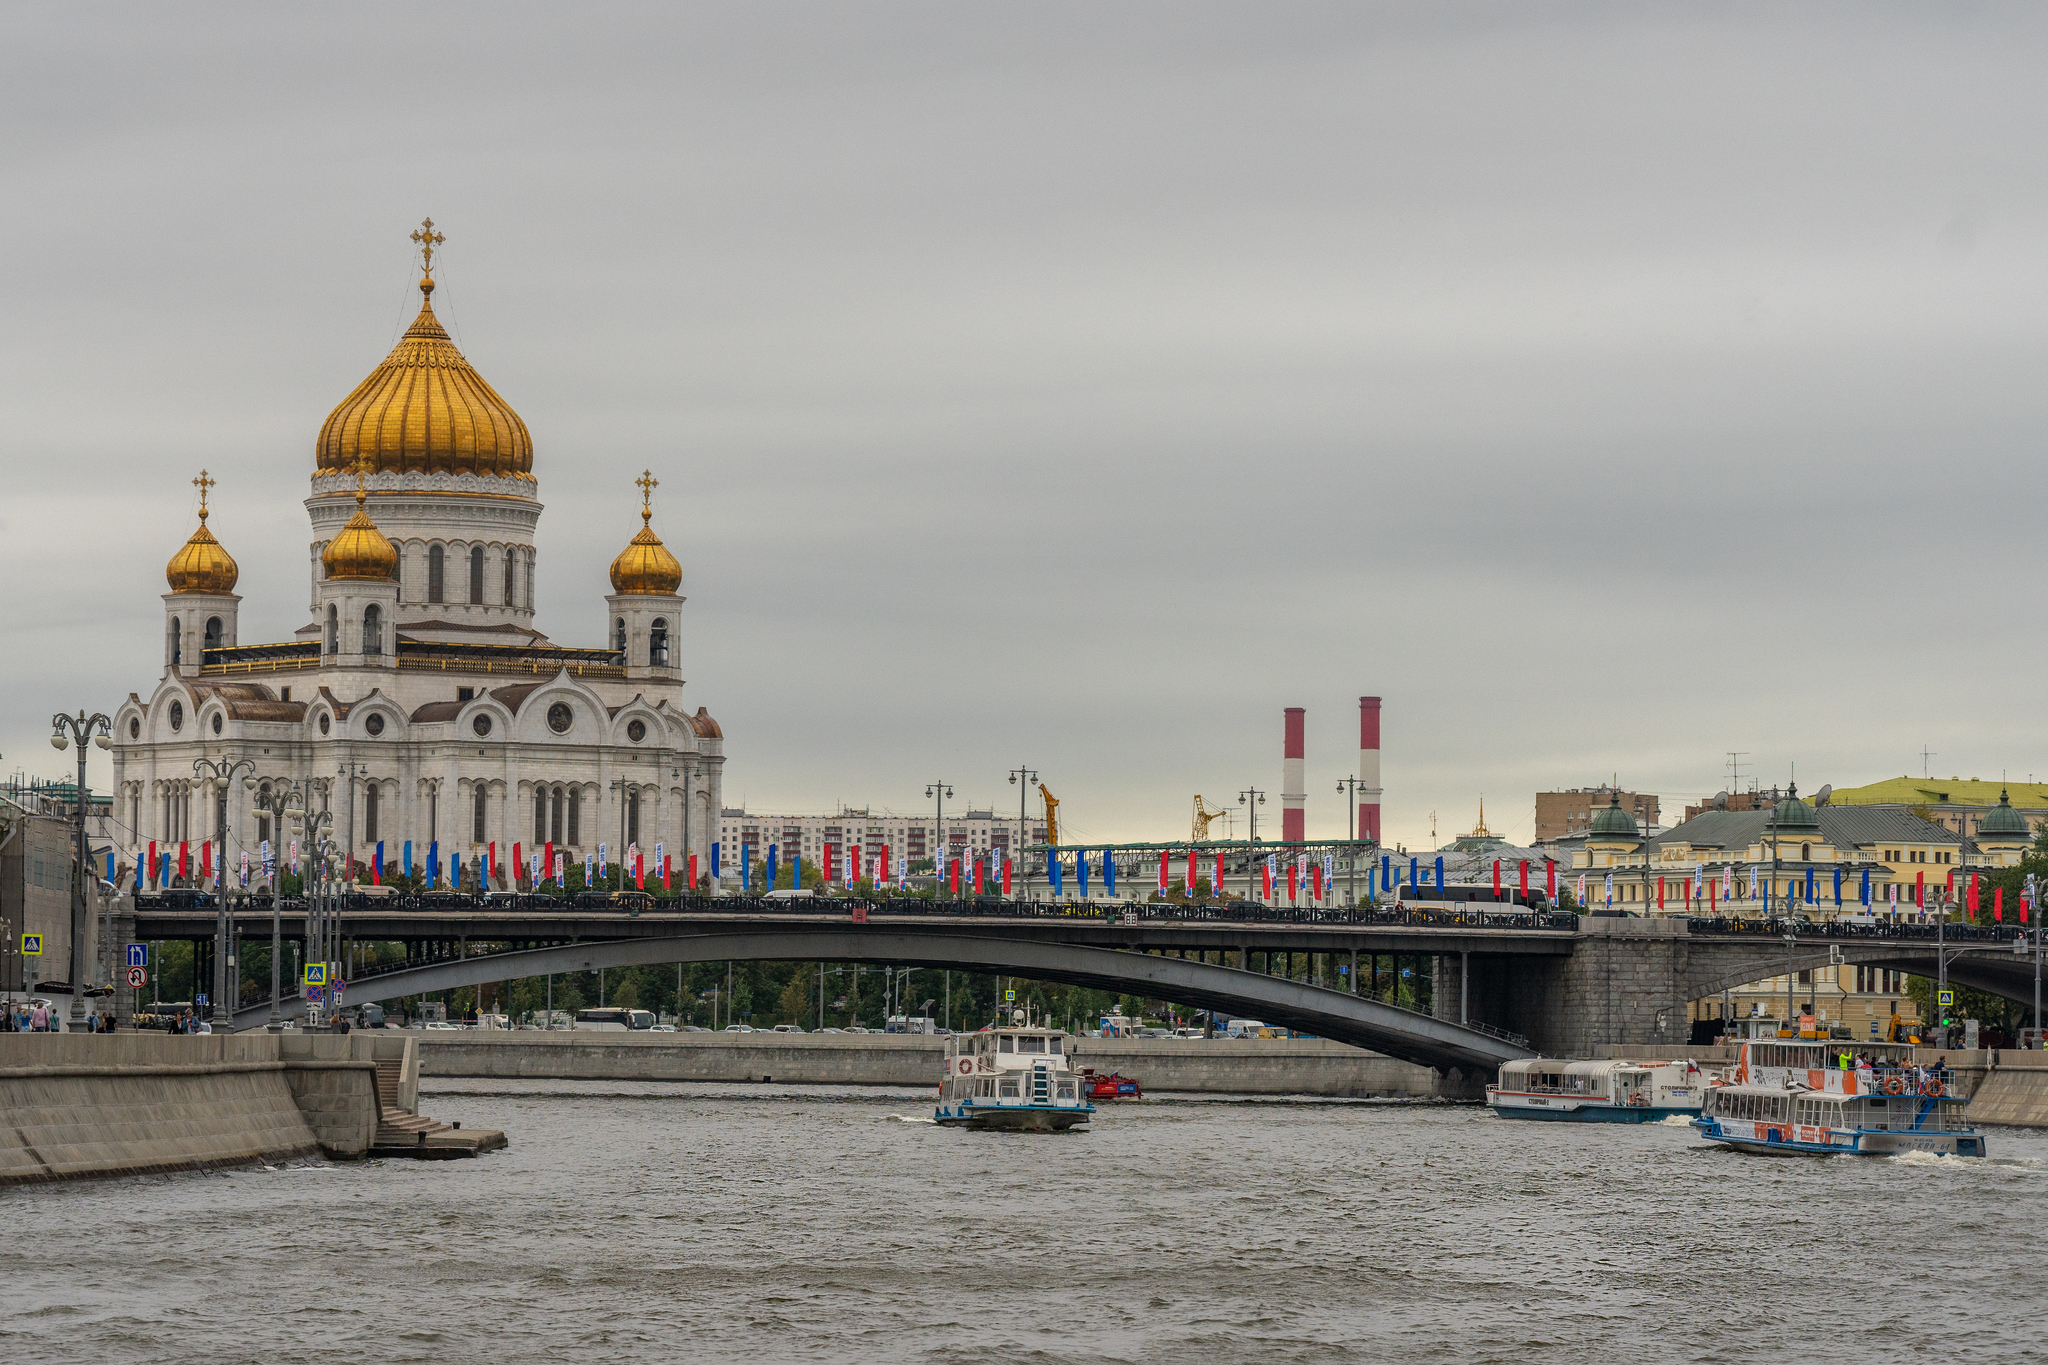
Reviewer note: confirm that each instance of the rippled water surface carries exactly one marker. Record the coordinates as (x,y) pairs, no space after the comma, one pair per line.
(720,1222)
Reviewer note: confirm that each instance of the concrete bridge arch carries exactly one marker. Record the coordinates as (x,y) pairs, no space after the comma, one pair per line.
(1474,1054)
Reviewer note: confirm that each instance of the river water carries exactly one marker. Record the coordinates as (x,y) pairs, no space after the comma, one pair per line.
(633,1222)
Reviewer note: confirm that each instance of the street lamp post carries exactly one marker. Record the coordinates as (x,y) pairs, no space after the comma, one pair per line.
(1251,798)
(1022,778)
(1353,786)
(219,780)
(66,731)
(939,791)
(619,785)
(286,804)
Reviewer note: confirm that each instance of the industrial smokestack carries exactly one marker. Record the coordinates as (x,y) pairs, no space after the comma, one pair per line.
(1369,767)
(1293,780)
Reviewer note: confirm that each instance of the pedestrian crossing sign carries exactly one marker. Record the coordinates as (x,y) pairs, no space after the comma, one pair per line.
(1948,998)
(316,973)
(31,945)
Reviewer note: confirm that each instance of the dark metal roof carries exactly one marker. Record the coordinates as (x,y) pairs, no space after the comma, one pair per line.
(1841,826)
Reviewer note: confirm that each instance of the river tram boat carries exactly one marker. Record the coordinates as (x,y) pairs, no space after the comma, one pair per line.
(1796,1098)
(1012,1079)
(1596,1092)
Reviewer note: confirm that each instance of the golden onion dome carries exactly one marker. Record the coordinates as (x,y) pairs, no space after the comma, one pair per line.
(425,409)
(645,566)
(360,550)
(201,565)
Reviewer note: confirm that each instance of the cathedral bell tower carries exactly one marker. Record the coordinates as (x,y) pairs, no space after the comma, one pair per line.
(356,599)
(201,607)
(643,611)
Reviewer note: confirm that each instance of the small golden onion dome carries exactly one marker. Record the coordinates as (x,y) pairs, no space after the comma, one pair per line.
(360,551)
(645,565)
(425,409)
(201,565)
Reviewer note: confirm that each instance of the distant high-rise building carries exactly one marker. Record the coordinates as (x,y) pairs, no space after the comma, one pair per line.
(1567,814)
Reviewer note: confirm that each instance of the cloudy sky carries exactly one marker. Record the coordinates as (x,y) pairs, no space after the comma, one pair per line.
(1608,387)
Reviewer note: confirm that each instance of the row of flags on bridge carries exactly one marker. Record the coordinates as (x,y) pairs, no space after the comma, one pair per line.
(1703,888)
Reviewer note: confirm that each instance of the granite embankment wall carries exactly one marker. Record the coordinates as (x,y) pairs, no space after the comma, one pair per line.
(1258,1067)
(78,1105)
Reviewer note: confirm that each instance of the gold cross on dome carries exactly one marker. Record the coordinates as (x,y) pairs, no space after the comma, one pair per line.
(362,467)
(204,482)
(428,239)
(648,483)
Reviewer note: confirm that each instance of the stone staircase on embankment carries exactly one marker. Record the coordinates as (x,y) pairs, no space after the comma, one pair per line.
(413,1135)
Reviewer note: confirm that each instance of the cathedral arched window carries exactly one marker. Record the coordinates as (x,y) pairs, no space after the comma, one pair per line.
(540,817)
(1806,853)
(177,641)
(370,814)
(511,577)
(528,599)
(657,643)
(213,632)
(437,573)
(373,629)
(555,825)
(619,635)
(333,630)
(575,815)
(632,817)
(476,821)
(476,575)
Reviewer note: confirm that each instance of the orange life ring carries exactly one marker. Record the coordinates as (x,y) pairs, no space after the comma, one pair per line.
(1895,1085)
(1932,1089)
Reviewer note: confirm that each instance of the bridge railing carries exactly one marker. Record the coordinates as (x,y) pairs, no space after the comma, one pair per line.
(1477,915)
(1879,931)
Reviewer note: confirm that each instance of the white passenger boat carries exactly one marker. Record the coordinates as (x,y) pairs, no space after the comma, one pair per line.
(1012,1078)
(1596,1092)
(1793,1097)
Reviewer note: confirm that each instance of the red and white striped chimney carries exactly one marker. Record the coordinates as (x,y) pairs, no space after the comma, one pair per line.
(1369,767)
(1293,779)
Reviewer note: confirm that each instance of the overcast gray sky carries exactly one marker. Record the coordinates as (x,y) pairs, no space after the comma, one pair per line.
(1606,386)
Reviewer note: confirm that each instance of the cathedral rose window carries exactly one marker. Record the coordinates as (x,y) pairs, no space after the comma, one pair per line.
(560,717)
(375,724)
(482,726)
(636,731)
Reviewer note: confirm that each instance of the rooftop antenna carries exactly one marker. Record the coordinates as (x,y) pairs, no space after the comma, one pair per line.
(1735,757)
(1925,754)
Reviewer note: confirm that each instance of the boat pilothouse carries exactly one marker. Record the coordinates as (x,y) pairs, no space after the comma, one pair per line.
(1827,1097)
(1596,1092)
(1016,1078)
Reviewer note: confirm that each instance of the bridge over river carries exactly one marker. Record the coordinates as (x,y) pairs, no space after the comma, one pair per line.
(1504,982)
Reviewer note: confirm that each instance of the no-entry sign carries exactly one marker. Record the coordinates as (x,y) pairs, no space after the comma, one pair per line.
(138,977)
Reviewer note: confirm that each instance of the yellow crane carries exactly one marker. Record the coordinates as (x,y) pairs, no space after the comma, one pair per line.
(1204,817)
(1052,806)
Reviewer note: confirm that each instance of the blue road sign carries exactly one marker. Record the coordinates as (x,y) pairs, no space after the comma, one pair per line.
(138,954)
(31,945)
(316,973)
(200,999)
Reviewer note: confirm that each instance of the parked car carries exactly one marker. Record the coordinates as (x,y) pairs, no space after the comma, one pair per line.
(662,1028)
(739,1028)
(789,1028)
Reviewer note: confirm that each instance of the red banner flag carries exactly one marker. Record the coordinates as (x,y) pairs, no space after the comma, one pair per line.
(1972,894)
(205,861)
(978,864)
(1524,890)
(1191,871)
(1216,884)
(184,858)
(953,874)
(885,862)
(1920,889)
(1496,879)
(1266,881)
(1688,895)
(1315,878)
(1660,893)
(828,864)
(491,867)
(1163,855)
(153,868)
(547,860)
(518,862)
(1550,878)
(1998,904)
(1293,880)
(1006,876)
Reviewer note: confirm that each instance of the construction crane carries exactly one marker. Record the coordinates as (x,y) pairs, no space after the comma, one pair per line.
(1052,806)
(1204,817)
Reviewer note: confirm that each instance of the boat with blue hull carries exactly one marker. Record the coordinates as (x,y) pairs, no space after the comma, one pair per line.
(1013,1079)
(1596,1092)
(1825,1098)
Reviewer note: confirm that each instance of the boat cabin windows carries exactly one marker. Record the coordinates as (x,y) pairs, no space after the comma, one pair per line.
(1052,1045)
(1009,1090)
(1006,1043)
(1031,1044)
(1743,1104)
(1066,1089)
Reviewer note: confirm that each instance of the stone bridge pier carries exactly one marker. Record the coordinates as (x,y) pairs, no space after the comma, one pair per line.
(1631,980)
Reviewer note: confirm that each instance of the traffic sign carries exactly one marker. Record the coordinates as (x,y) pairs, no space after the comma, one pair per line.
(1948,998)
(312,992)
(200,999)
(1010,996)
(316,973)
(138,977)
(138,954)
(31,945)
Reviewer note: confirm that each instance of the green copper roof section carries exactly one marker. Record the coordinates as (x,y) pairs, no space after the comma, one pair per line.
(2004,820)
(1941,791)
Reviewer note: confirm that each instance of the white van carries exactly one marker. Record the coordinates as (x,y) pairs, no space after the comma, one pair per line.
(1245,1028)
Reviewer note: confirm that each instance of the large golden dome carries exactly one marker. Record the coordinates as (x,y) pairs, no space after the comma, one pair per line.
(360,550)
(201,565)
(425,409)
(645,566)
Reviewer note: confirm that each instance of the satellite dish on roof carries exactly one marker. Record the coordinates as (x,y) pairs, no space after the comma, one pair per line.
(1820,798)
(1720,800)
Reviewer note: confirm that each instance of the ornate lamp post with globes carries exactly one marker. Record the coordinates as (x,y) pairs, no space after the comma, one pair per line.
(286,804)
(81,730)
(218,779)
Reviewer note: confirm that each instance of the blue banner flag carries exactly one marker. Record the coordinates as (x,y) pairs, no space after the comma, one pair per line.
(434,863)
(1081,871)
(714,860)
(408,857)
(747,868)
(1386,870)
(796,871)
(454,868)
(110,864)
(1412,864)
(1439,872)
(1838,888)
(1108,873)
(379,856)
(1056,870)
(1866,888)
(771,866)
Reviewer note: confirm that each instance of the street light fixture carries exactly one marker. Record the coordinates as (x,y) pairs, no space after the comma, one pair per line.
(1021,778)
(939,791)
(286,805)
(80,729)
(1351,832)
(218,776)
